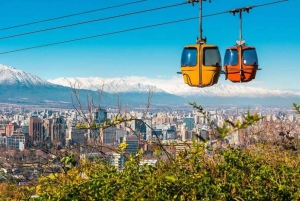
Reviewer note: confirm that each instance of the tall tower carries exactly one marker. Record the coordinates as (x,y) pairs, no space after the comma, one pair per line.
(35,129)
(47,128)
(58,130)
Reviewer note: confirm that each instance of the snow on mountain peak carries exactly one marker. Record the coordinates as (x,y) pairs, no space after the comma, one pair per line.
(110,85)
(10,76)
(173,86)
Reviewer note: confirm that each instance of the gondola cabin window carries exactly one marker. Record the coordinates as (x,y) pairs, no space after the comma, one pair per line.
(212,57)
(250,57)
(231,57)
(189,57)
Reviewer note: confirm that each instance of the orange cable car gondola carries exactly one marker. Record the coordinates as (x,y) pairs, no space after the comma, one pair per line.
(200,63)
(240,61)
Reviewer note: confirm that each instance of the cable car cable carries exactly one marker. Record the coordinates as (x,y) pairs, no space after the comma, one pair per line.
(71,15)
(117,16)
(92,21)
(255,6)
(116,32)
(99,35)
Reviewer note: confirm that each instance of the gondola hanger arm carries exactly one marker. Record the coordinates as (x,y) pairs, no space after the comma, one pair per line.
(197,1)
(238,10)
(200,39)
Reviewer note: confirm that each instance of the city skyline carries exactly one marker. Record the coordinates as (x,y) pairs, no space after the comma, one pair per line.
(153,52)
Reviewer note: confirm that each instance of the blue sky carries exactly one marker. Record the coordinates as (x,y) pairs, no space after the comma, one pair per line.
(155,52)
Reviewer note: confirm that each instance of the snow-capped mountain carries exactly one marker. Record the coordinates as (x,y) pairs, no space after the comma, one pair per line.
(173,86)
(12,76)
(110,85)
(19,87)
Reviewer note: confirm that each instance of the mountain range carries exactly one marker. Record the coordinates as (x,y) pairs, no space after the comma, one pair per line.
(17,86)
(173,86)
(219,94)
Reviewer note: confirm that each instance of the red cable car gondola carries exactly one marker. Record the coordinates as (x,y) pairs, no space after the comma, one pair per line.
(240,61)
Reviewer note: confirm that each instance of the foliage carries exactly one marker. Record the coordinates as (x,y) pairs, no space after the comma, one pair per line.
(297,108)
(7,191)
(68,161)
(257,173)
(10,191)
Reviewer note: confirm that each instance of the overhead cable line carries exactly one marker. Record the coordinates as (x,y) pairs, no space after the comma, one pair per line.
(92,21)
(128,30)
(99,35)
(70,15)
(110,33)
(260,5)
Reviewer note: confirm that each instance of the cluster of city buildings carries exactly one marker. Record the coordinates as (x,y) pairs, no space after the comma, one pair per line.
(22,129)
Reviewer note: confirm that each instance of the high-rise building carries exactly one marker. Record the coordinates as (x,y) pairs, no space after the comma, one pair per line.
(9,129)
(189,122)
(76,136)
(99,115)
(58,130)
(148,124)
(188,135)
(108,135)
(132,144)
(55,130)
(47,128)
(120,135)
(169,134)
(157,133)
(137,126)
(35,129)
